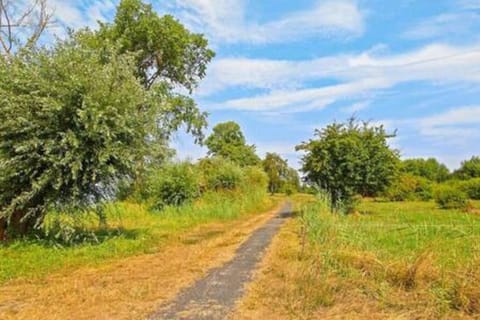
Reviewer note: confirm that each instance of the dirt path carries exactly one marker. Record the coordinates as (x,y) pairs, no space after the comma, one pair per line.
(214,296)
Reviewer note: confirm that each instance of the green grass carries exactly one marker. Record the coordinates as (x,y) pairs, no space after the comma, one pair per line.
(409,256)
(132,229)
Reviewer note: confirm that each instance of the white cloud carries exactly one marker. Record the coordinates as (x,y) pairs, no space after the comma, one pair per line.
(226,21)
(77,14)
(306,99)
(358,76)
(456,127)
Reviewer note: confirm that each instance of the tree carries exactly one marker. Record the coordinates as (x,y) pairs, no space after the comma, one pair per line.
(70,126)
(168,57)
(79,117)
(350,158)
(468,169)
(228,141)
(280,175)
(426,168)
(21,24)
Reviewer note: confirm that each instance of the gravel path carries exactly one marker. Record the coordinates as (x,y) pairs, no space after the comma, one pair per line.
(214,296)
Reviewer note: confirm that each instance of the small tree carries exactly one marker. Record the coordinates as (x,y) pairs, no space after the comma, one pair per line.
(228,141)
(350,158)
(280,175)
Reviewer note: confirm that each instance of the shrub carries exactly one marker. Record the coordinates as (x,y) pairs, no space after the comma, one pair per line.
(471,188)
(409,187)
(449,197)
(220,174)
(173,184)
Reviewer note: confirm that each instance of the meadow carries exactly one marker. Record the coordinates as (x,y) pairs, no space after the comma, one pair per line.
(402,260)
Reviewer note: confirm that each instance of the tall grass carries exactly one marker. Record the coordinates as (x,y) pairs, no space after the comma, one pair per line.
(407,255)
(132,229)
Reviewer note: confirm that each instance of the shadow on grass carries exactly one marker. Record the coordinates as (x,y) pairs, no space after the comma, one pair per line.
(74,237)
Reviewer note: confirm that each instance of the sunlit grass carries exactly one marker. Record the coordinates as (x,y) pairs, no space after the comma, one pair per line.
(132,229)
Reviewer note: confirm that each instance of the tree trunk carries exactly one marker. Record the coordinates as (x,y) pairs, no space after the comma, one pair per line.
(20,225)
(3,230)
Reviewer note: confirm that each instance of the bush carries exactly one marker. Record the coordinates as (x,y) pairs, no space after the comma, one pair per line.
(449,197)
(471,188)
(409,187)
(173,184)
(220,174)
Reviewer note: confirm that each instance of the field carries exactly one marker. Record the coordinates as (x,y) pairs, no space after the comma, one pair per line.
(405,260)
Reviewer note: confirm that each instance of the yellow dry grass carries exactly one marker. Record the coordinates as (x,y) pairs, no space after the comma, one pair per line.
(130,288)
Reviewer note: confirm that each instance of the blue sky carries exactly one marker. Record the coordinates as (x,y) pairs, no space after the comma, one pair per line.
(284,68)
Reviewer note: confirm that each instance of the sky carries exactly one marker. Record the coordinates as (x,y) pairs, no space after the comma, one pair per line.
(284,68)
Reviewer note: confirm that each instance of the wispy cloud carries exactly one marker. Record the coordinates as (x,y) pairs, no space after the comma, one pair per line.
(226,21)
(455,126)
(356,107)
(83,13)
(444,25)
(469,4)
(358,76)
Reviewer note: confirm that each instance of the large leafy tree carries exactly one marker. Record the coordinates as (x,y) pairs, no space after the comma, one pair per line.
(430,169)
(468,169)
(70,125)
(228,141)
(168,58)
(350,158)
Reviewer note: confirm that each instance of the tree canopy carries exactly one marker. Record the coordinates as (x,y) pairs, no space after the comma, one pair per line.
(468,169)
(427,168)
(350,158)
(228,141)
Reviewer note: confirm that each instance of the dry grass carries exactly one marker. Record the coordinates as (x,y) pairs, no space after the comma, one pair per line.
(130,288)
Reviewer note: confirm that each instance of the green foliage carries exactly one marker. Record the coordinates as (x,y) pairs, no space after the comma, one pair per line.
(165,49)
(254,176)
(450,197)
(468,169)
(87,113)
(349,159)
(220,174)
(70,127)
(430,169)
(228,141)
(281,178)
(410,187)
(471,187)
(167,57)
(173,184)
